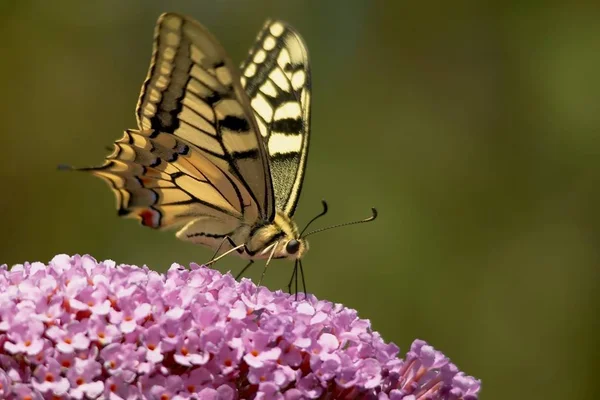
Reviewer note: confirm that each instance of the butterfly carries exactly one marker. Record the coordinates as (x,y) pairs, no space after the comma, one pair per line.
(220,152)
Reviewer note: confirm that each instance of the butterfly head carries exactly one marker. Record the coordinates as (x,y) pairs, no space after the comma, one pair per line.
(290,248)
(283,239)
(289,243)
(293,246)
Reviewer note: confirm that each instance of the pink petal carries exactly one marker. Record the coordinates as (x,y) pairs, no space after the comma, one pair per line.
(328,342)
(142,311)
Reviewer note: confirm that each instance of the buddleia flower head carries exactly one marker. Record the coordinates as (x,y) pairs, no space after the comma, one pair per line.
(78,328)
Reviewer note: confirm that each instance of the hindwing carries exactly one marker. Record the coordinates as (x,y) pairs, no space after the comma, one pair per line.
(164,182)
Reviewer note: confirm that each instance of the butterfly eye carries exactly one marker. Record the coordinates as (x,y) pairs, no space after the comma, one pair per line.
(292,246)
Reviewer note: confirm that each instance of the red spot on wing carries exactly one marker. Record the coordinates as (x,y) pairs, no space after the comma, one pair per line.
(149,218)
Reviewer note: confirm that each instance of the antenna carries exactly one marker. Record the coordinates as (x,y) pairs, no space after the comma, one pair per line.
(325,209)
(362,221)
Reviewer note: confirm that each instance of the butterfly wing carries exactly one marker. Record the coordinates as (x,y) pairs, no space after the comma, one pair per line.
(162,181)
(276,76)
(193,91)
(197,159)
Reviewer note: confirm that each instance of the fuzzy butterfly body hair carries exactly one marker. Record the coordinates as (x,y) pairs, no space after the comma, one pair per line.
(219,152)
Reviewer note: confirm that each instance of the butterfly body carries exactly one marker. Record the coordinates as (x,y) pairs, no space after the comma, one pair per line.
(219,152)
(261,240)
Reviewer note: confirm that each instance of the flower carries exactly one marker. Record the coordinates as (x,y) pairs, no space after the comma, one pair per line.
(78,328)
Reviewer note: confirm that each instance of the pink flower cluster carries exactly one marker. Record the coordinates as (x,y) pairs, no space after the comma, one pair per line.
(80,329)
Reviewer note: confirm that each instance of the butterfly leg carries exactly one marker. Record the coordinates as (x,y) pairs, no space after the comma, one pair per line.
(239,248)
(294,278)
(238,276)
(226,238)
(289,286)
(303,281)
(267,263)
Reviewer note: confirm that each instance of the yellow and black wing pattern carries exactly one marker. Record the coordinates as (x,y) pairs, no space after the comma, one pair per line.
(162,181)
(218,151)
(276,77)
(193,91)
(198,154)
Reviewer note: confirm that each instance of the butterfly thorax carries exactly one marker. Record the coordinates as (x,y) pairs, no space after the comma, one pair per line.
(280,237)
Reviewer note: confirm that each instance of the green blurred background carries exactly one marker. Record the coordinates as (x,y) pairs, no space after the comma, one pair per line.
(473,130)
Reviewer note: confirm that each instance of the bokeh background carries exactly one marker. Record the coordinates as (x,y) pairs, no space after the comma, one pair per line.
(475,131)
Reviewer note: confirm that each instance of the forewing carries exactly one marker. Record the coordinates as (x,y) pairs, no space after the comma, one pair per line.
(276,77)
(193,91)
